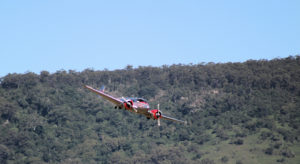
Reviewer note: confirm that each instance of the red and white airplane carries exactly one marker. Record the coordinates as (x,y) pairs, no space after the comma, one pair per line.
(135,105)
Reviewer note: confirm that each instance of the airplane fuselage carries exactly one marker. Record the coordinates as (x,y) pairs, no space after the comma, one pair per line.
(136,105)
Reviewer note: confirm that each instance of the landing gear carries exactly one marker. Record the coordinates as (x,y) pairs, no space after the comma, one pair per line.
(118,107)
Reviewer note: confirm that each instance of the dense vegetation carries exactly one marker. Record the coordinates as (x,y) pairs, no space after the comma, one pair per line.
(237,113)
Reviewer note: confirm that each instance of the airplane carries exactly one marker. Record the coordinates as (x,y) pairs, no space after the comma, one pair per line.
(135,105)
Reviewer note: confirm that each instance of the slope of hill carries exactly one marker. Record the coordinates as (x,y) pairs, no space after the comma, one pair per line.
(236,112)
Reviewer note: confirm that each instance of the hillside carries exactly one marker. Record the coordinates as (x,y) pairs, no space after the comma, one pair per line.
(237,113)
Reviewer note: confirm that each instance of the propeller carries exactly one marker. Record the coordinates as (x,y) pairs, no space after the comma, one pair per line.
(129,104)
(158,114)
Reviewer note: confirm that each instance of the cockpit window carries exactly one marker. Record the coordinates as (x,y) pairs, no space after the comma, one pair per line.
(136,99)
(141,100)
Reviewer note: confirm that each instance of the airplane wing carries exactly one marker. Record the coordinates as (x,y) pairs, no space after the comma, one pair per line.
(105,96)
(172,119)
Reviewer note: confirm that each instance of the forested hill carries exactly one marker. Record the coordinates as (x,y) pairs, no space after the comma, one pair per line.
(237,113)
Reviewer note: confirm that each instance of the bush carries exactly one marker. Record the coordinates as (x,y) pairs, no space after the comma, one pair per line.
(269,151)
(224,159)
(239,142)
(239,162)
(280,160)
(287,153)
(207,161)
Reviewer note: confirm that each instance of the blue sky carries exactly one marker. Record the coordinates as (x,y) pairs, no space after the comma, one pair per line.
(69,34)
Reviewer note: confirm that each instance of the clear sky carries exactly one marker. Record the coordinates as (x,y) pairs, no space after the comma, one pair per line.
(69,34)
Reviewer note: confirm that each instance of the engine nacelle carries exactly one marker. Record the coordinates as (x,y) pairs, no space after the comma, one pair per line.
(156,113)
(128,104)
